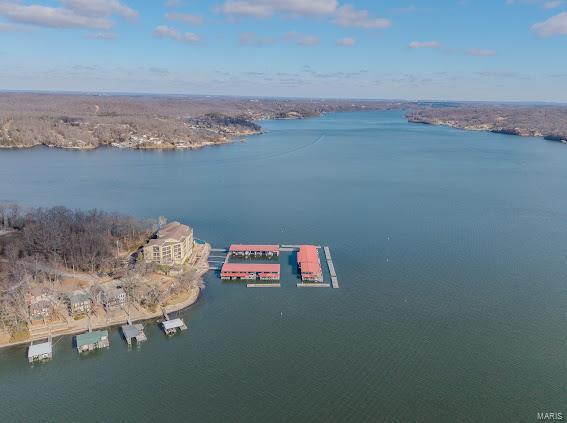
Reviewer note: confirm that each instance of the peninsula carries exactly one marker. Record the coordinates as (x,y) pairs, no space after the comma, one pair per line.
(547,121)
(64,272)
(80,121)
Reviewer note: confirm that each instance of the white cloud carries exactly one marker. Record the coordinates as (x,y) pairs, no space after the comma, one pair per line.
(481,52)
(346,42)
(100,8)
(94,14)
(556,25)
(424,44)
(163,31)
(553,4)
(308,40)
(348,16)
(302,40)
(10,27)
(252,39)
(267,8)
(101,36)
(52,17)
(184,17)
(345,15)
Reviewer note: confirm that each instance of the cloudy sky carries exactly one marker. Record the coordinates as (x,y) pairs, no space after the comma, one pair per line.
(511,50)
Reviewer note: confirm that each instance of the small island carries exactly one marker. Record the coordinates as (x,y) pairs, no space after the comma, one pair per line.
(66,271)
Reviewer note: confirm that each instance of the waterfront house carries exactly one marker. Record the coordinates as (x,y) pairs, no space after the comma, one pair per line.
(89,341)
(172,245)
(113,296)
(41,306)
(79,303)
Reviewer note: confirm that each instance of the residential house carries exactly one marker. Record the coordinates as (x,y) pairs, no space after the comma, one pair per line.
(41,306)
(113,296)
(79,303)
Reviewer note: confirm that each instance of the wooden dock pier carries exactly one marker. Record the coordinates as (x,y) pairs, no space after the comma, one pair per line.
(313,285)
(334,279)
(263,285)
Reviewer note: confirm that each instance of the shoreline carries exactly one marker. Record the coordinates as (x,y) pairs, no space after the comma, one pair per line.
(118,317)
(193,298)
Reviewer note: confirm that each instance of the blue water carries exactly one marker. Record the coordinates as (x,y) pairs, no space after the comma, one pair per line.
(450,248)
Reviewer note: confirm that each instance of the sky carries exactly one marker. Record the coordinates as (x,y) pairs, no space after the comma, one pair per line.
(487,50)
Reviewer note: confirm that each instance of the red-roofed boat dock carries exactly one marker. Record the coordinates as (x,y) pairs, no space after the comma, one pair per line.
(308,263)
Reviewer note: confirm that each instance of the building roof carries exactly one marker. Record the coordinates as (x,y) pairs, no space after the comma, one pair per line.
(36,350)
(93,337)
(113,292)
(250,267)
(308,259)
(43,298)
(173,230)
(172,324)
(310,267)
(79,297)
(132,331)
(308,253)
(255,247)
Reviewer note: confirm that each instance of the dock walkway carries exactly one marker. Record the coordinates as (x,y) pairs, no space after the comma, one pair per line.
(313,285)
(263,285)
(334,279)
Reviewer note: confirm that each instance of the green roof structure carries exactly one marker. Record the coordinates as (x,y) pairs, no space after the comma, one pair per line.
(89,338)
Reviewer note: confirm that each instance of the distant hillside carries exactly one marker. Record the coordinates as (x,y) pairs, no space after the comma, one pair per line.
(90,121)
(545,121)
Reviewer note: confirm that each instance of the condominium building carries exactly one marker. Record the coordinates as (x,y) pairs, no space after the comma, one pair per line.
(172,245)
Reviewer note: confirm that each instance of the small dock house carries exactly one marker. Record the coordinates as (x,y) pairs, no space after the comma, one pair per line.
(94,340)
(170,327)
(40,352)
(135,332)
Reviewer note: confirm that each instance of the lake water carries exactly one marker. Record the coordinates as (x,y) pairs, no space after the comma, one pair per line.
(451,251)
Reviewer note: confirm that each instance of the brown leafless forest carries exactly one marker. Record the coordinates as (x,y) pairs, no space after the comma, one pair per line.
(542,121)
(40,246)
(90,121)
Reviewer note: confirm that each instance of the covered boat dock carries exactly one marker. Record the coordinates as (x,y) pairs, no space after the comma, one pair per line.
(90,341)
(40,352)
(134,332)
(170,327)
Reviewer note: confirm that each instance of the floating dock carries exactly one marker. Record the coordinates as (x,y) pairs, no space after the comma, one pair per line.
(263,285)
(135,332)
(313,285)
(334,279)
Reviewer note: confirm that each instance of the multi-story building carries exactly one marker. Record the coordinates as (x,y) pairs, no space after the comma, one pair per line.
(113,297)
(172,245)
(79,302)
